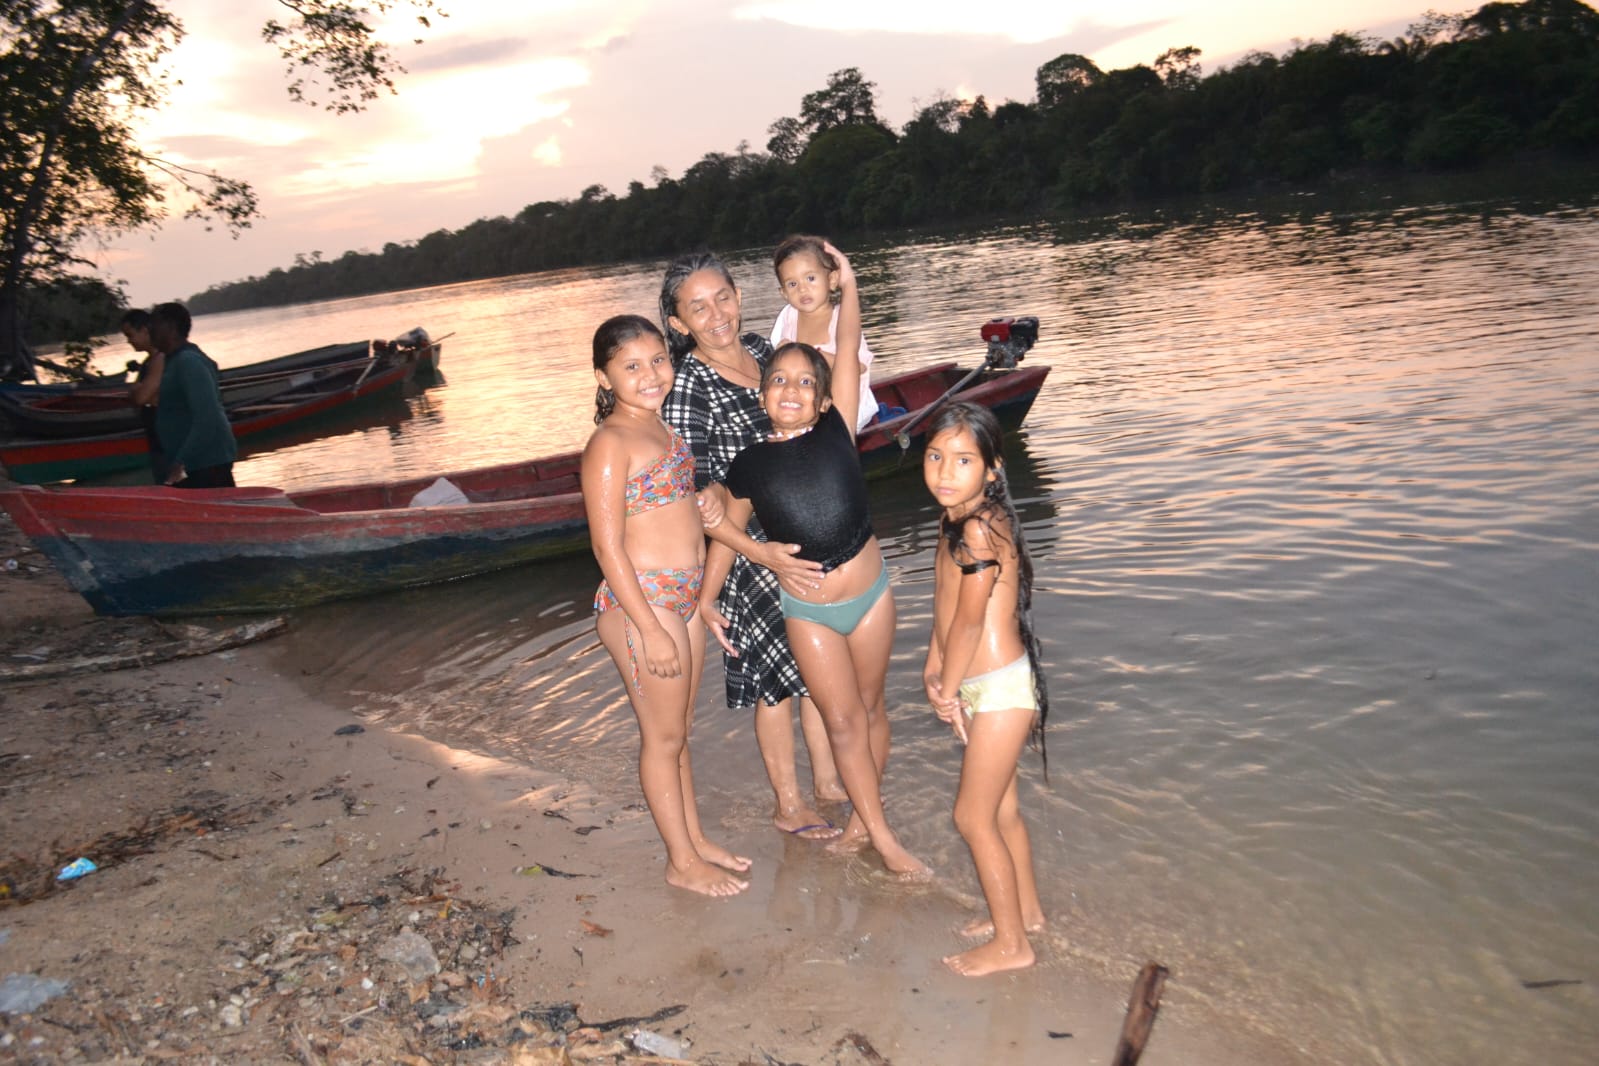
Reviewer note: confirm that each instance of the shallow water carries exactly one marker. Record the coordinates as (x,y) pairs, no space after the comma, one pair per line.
(1314,518)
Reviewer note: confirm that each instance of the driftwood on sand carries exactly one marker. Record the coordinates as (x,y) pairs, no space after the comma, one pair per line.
(1142,1007)
(173,642)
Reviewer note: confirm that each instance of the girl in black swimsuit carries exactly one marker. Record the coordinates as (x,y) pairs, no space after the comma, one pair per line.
(806,487)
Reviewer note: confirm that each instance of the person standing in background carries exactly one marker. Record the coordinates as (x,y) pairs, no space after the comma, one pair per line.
(146,388)
(190,421)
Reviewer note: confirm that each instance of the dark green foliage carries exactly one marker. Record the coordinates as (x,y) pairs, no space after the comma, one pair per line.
(1453,92)
(73,309)
(332,40)
(75,78)
(847,101)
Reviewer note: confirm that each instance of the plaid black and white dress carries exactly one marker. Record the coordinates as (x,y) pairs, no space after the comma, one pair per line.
(719,419)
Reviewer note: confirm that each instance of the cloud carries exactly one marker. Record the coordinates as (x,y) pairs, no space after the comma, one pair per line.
(548,152)
(467,53)
(1017,20)
(506,105)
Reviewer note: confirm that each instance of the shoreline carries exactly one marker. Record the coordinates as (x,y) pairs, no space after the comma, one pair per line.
(270,862)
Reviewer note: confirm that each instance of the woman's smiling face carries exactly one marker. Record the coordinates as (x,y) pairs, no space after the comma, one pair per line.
(708,310)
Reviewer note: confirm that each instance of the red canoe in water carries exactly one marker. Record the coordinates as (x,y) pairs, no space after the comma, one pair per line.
(257,425)
(165,551)
(94,410)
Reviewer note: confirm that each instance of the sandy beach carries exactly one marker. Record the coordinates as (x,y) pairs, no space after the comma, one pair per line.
(278,883)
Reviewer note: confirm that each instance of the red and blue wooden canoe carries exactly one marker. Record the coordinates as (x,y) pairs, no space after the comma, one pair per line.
(92,411)
(1007,393)
(256,425)
(147,550)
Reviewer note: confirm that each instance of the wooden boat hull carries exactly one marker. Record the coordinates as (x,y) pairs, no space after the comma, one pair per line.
(97,408)
(116,386)
(96,412)
(1007,393)
(255,424)
(169,551)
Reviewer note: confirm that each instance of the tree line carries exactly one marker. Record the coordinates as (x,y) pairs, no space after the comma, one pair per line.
(1454,92)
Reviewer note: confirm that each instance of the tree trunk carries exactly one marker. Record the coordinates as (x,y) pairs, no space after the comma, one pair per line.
(16,357)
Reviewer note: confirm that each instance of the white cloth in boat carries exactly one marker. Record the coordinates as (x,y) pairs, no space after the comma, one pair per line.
(442,493)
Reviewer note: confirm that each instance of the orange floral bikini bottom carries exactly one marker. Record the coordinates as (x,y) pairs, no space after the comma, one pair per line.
(676,588)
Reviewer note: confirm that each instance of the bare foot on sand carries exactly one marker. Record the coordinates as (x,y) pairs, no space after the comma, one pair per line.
(831,792)
(720,856)
(989,958)
(983,928)
(905,866)
(854,839)
(806,824)
(705,878)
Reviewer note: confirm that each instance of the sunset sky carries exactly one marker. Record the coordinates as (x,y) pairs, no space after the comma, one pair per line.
(508,104)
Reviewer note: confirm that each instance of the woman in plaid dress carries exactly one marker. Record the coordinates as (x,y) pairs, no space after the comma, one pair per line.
(715,405)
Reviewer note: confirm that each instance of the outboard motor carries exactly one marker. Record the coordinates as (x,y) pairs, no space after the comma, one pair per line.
(416,338)
(1009,340)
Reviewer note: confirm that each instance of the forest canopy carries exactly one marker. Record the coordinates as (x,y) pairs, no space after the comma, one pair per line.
(1454,92)
(1508,81)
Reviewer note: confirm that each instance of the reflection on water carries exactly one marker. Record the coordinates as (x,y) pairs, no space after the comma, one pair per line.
(1314,520)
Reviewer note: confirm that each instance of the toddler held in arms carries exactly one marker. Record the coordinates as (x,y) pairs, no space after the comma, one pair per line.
(808,278)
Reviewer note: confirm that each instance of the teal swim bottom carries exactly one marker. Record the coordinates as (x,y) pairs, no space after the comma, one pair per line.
(841,617)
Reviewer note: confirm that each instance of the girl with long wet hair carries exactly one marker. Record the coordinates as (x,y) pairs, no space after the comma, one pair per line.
(983,674)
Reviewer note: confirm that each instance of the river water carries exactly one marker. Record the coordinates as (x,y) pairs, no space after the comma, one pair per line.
(1314,515)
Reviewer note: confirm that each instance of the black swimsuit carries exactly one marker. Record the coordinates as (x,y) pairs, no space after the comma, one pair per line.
(809,491)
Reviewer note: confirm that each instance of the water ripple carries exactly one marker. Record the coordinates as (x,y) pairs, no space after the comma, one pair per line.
(1314,514)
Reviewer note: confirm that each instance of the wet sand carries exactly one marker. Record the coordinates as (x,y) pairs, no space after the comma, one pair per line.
(242,821)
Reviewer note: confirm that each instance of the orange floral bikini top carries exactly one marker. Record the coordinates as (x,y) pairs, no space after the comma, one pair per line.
(667,480)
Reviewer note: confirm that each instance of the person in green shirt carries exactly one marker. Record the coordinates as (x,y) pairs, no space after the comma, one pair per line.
(189,418)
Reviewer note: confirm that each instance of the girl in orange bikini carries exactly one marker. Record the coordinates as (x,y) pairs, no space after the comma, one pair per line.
(638,491)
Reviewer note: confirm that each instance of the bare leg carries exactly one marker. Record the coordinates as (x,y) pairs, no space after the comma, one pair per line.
(988,773)
(708,850)
(663,709)
(1020,845)
(878,731)
(836,669)
(825,785)
(774,733)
